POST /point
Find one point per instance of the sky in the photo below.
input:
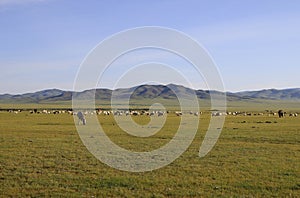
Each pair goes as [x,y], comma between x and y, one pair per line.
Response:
[254,44]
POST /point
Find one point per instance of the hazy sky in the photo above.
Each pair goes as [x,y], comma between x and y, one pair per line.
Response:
[255,44]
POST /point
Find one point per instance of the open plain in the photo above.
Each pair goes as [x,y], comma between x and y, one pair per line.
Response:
[256,155]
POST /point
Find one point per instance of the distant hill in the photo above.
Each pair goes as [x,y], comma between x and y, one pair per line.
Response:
[274,94]
[147,92]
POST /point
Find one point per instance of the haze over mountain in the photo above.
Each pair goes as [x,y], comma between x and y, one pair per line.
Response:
[147,92]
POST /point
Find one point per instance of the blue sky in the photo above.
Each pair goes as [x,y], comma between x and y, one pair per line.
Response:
[255,44]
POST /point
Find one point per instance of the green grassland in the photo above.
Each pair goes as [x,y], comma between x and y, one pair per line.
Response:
[172,104]
[255,156]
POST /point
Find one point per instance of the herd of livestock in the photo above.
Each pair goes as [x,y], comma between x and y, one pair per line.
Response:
[81,114]
[280,113]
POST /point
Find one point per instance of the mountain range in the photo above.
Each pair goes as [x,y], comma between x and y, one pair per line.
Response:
[147,92]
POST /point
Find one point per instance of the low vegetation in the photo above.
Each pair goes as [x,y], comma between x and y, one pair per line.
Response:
[256,156]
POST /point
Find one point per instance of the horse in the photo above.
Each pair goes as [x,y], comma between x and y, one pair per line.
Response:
[81,118]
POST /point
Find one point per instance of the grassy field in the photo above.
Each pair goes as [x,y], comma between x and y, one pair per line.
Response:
[242,105]
[42,155]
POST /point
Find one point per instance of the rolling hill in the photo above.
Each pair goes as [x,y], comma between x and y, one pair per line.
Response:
[147,92]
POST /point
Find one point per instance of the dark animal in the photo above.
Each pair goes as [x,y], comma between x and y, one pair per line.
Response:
[81,118]
[280,113]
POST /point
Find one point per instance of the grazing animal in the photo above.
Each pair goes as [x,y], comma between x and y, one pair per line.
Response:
[135,113]
[117,113]
[160,113]
[81,118]
[178,113]
[280,113]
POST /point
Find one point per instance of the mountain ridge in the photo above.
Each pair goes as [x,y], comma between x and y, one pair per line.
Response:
[146,91]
